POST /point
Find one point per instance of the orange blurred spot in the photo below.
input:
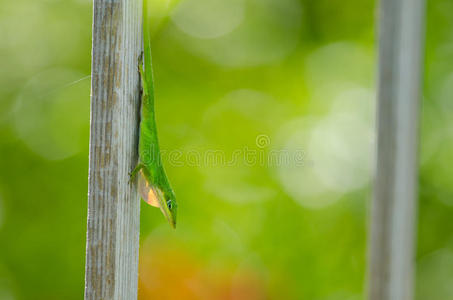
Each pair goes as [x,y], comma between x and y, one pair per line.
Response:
[170,273]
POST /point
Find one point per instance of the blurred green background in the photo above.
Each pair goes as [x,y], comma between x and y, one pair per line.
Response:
[276,78]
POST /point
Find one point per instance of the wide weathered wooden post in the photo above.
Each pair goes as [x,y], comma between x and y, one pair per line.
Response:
[394,206]
[113,205]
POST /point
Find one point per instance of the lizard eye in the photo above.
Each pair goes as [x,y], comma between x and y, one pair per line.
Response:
[169,204]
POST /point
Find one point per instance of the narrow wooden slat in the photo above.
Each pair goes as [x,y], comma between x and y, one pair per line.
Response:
[392,233]
[113,205]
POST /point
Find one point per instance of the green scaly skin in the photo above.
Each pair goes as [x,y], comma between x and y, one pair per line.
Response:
[150,163]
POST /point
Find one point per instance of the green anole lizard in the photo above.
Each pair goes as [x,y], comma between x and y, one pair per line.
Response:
[153,184]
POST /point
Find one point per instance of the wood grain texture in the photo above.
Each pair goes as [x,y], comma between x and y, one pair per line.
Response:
[113,204]
[393,211]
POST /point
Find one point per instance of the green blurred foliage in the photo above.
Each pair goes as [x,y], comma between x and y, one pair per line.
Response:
[299,73]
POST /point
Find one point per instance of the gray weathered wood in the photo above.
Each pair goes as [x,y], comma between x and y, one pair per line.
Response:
[113,205]
[392,233]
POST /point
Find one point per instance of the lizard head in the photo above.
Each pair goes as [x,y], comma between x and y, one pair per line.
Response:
[162,198]
[168,205]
